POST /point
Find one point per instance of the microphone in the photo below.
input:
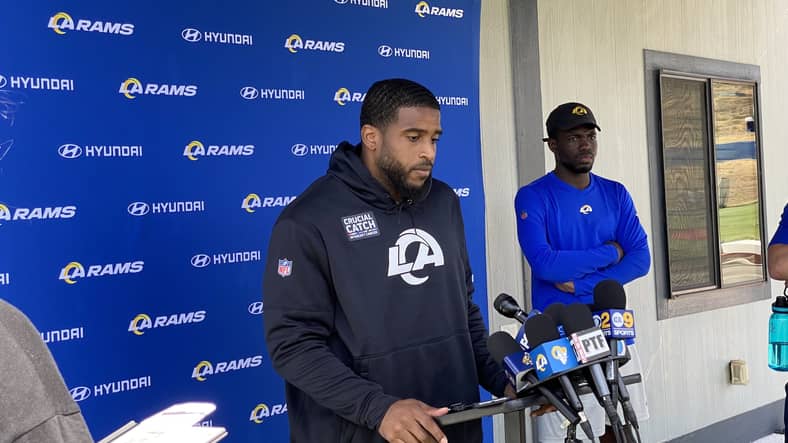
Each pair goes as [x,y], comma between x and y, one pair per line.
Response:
[515,362]
[610,312]
[589,344]
[551,355]
[555,311]
[507,306]
[519,370]
[617,322]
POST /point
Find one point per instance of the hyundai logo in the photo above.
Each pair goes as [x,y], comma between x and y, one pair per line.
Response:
[249,92]
[256,308]
[191,35]
[201,260]
[69,150]
[80,393]
[299,150]
[3,81]
[340,2]
[138,209]
[384,50]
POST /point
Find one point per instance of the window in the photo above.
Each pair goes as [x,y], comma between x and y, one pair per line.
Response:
[709,241]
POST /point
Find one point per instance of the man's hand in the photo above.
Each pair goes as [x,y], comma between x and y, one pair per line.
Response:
[544,409]
[618,248]
[566,287]
[509,392]
[411,421]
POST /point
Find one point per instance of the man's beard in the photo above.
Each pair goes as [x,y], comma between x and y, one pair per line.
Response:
[576,168]
[397,177]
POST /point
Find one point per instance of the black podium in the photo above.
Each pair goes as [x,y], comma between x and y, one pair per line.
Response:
[514,411]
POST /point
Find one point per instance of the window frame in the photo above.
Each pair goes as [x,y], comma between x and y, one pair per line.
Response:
[656,64]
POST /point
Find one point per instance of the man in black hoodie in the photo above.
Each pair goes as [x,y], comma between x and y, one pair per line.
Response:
[368,309]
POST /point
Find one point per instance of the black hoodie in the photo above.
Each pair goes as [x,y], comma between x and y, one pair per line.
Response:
[367,302]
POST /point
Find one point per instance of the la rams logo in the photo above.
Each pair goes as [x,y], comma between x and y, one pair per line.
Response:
[72,271]
[428,252]
[258,413]
[262,411]
[579,110]
[130,86]
[251,202]
[342,96]
[560,353]
[293,42]
[60,21]
[140,322]
[202,369]
[541,363]
[188,151]
[422,9]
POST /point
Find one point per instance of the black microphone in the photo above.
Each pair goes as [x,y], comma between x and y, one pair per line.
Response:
[590,344]
[540,329]
[609,294]
[515,362]
[506,352]
[507,306]
[556,311]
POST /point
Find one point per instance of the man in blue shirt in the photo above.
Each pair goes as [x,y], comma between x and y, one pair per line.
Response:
[778,250]
[577,229]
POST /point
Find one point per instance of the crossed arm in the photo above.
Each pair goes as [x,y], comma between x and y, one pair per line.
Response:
[623,258]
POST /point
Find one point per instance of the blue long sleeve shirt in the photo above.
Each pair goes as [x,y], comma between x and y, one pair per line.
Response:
[563,232]
[781,235]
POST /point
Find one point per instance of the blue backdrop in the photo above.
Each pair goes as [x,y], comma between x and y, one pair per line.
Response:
[146,149]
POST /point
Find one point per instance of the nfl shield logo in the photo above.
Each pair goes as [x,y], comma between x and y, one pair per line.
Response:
[285,267]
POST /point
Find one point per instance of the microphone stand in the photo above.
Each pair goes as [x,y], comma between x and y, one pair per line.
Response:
[571,434]
[630,430]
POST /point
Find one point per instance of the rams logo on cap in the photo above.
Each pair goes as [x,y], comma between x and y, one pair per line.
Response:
[579,110]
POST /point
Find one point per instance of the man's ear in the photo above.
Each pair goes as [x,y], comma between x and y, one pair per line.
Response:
[371,137]
[552,144]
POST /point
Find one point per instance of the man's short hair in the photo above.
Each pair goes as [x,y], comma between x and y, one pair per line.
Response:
[385,97]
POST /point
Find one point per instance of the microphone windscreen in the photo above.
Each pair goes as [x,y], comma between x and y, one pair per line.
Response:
[577,317]
[506,305]
[501,344]
[540,329]
[556,312]
[609,294]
